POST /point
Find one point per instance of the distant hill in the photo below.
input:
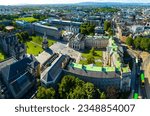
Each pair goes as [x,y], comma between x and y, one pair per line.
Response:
[111,4]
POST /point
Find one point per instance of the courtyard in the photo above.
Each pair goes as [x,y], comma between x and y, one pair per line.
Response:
[92,58]
[35,45]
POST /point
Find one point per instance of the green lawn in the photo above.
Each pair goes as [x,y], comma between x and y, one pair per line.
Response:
[35,45]
[38,40]
[98,56]
[28,19]
[33,48]
[2,55]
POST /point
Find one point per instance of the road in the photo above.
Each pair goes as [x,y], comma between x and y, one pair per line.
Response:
[135,76]
[146,69]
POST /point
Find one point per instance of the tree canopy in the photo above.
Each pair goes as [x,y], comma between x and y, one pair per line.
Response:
[129,41]
[87,29]
[73,88]
[23,36]
[45,93]
[141,43]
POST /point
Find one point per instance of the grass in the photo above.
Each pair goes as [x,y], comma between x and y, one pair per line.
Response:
[35,45]
[38,40]
[2,55]
[33,48]
[28,19]
[98,56]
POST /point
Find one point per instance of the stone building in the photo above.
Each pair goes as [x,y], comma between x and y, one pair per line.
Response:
[11,45]
[77,42]
[53,32]
[19,75]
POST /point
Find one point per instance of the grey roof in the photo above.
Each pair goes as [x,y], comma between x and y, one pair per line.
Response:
[16,69]
[94,74]
[6,62]
[52,72]
[22,83]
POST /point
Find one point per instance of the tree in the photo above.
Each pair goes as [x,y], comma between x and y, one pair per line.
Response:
[44,93]
[90,90]
[73,88]
[110,31]
[112,93]
[87,29]
[92,51]
[107,25]
[18,35]
[102,95]
[77,93]
[137,42]
[67,83]
[144,45]
[129,41]
[90,59]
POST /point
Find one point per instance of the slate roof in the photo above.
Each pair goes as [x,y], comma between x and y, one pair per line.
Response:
[12,71]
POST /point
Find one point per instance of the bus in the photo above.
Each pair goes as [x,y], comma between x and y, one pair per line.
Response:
[142,79]
[135,95]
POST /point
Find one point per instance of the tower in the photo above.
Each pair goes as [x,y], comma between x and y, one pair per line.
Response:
[45,42]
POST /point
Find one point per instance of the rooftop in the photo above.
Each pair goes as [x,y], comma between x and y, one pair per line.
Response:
[98,69]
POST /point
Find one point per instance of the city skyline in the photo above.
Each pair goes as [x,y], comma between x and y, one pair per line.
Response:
[16,2]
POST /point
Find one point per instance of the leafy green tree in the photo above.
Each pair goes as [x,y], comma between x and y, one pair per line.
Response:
[18,35]
[112,93]
[44,93]
[73,88]
[77,93]
[67,83]
[107,25]
[90,90]
[90,59]
[87,29]
[110,31]
[92,51]
[145,44]
[137,42]
[102,95]
[129,41]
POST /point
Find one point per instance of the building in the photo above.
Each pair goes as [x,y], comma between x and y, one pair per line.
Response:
[52,72]
[98,42]
[77,42]
[102,77]
[19,75]
[80,42]
[11,46]
[99,30]
[115,73]
[53,32]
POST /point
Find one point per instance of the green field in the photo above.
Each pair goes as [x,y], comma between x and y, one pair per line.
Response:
[38,40]
[33,48]
[2,55]
[98,56]
[28,19]
[35,45]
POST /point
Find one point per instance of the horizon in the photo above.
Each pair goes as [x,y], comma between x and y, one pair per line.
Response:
[28,2]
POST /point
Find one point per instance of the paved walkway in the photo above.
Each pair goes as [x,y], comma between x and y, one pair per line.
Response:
[36,44]
[58,47]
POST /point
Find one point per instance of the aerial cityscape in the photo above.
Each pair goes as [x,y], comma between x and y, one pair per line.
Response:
[75,49]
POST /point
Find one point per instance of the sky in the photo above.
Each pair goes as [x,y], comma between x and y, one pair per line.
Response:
[16,2]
